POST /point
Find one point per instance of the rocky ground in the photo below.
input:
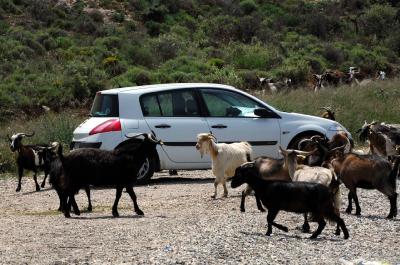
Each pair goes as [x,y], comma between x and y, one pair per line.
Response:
[182,224]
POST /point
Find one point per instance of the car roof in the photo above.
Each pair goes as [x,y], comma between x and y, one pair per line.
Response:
[162,87]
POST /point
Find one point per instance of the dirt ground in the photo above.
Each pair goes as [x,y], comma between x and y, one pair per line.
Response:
[182,225]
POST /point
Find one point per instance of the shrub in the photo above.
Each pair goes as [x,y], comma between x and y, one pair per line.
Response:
[248,6]
[254,57]
[140,55]
[379,20]
[118,17]
[216,62]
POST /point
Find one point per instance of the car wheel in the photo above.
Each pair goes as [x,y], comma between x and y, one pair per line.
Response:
[295,142]
[146,171]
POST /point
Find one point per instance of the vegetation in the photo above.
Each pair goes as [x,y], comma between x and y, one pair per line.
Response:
[58,54]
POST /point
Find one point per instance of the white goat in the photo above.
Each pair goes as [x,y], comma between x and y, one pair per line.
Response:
[321,175]
[225,157]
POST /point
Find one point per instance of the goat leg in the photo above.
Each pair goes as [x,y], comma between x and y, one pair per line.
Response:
[225,189]
[393,206]
[306,225]
[272,213]
[134,199]
[350,205]
[44,180]
[87,189]
[117,197]
[74,205]
[68,204]
[321,226]
[20,173]
[35,179]
[355,197]
[215,190]
[259,205]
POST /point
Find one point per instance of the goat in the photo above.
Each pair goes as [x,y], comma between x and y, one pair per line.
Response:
[56,178]
[299,197]
[328,113]
[367,172]
[225,157]
[117,168]
[379,143]
[268,169]
[29,157]
[321,175]
[324,147]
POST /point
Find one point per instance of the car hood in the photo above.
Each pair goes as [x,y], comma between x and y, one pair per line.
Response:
[290,120]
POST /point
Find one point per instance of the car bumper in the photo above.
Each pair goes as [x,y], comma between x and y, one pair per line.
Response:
[77,145]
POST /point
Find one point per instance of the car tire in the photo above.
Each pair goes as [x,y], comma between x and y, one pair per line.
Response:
[295,142]
[146,171]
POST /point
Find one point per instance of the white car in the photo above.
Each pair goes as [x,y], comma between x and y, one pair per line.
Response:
[176,113]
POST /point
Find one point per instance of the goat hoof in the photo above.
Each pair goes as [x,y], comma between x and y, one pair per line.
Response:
[67,215]
[18,189]
[89,208]
[139,212]
[348,210]
[225,195]
[305,228]
[115,214]
[268,234]
[43,184]
[285,229]
[358,213]
[77,212]
[337,232]
[390,216]
[37,188]
[242,210]
[213,196]
[313,236]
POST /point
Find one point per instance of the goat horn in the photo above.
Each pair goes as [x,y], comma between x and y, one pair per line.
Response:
[283,151]
[303,153]
[337,148]
[303,141]
[212,136]
[326,108]
[28,135]
[315,137]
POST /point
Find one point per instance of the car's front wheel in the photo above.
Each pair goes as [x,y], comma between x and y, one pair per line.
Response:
[146,171]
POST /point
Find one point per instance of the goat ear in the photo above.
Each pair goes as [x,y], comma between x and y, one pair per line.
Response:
[9,138]
[282,151]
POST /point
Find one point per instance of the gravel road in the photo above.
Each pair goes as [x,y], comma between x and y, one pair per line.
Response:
[181,225]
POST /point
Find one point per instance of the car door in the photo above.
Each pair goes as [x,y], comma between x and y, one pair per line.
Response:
[231,119]
[176,119]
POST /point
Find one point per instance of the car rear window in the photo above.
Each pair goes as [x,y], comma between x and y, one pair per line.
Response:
[105,105]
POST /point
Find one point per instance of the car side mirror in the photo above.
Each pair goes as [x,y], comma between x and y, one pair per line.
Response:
[265,113]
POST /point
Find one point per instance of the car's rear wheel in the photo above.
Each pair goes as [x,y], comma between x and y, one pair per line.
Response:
[146,171]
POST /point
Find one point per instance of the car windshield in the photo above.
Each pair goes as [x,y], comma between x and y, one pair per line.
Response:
[105,105]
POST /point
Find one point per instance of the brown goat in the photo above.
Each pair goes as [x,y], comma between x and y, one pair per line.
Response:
[328,113]
[367,172]
[379,143]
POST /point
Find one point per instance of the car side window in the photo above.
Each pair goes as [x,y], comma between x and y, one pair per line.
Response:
[176,103]
[224,103]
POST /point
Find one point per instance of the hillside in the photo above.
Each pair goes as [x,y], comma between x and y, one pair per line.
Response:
[59,53]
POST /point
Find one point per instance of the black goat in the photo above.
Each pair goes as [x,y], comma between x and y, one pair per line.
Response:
[29,157]
[298,197]
[56,175]
[118,168]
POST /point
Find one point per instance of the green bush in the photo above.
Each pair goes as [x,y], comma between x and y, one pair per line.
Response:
[379,20]
[248,6]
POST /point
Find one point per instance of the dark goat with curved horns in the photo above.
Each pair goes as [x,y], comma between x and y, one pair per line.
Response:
[118,168]
[29,157]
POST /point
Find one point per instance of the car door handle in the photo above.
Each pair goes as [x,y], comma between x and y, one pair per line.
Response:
[219,126]
[163,126]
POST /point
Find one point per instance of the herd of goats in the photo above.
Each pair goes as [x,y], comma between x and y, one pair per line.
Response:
[329,78]
[306,180]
